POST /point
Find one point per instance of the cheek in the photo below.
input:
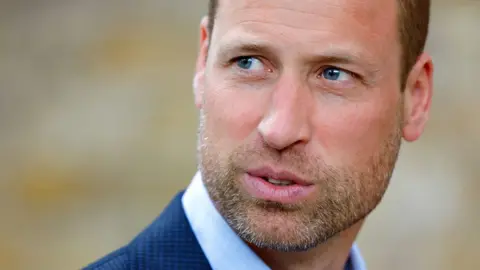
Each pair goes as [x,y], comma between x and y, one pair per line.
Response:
[232,115]
[355,132]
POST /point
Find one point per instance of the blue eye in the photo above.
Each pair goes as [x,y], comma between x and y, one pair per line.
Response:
[249,63]
[334,74]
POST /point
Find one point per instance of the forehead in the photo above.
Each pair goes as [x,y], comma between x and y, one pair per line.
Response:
[303,23]
[366,12]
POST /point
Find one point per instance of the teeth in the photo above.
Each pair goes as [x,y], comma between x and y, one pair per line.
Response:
[279,182]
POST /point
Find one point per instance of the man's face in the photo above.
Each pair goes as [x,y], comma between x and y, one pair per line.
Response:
[306,92]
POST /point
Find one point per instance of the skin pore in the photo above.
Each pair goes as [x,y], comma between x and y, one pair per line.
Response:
[312,87]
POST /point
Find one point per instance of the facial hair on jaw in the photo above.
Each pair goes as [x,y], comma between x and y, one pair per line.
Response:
[347,195]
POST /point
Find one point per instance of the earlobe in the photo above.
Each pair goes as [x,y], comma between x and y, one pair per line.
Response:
[198,89]
[417,98]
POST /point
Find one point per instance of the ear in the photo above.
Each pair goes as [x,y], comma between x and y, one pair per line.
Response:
[418,98]
[199,78]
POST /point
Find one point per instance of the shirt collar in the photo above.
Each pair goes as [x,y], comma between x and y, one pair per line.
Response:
[356,260]
[221,245]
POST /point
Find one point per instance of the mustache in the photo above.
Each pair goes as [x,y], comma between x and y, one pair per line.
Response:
[268,154]
[291,159]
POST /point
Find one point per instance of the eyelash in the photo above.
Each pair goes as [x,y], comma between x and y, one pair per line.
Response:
[234,60]
[319,72]
[351,73]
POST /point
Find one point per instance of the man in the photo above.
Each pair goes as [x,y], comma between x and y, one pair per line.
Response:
[303,106]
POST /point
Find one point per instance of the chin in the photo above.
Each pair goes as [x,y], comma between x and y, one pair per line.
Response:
[275,229]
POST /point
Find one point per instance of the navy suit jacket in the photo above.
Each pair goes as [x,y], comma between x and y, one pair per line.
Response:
[168,243]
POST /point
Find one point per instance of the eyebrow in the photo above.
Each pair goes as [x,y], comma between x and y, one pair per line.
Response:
[234,47]
[346,57]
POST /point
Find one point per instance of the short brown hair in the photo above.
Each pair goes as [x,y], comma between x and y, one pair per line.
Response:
[413,21]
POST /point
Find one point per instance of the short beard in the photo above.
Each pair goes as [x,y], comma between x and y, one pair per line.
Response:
[346,196]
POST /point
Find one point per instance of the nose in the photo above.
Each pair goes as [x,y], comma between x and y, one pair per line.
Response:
[287,119]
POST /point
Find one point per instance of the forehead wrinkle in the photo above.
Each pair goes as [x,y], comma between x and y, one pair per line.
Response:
[307,22]
[279,4]
[361,11]
[314,22]
[319,45]
[282,23]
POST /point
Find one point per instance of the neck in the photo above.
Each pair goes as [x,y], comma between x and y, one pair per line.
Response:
[330,255]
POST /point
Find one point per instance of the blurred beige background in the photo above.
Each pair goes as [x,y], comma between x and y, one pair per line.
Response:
[97,132]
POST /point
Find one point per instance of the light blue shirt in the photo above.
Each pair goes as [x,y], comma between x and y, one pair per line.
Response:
[223,248]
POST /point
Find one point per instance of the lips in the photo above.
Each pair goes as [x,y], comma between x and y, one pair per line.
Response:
[276,185]
[278,177]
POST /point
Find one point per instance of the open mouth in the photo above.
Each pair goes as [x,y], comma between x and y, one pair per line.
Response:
[269,185]
[277,182]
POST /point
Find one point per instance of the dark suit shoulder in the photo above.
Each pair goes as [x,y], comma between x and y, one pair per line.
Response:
[118,260]
[167,243]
